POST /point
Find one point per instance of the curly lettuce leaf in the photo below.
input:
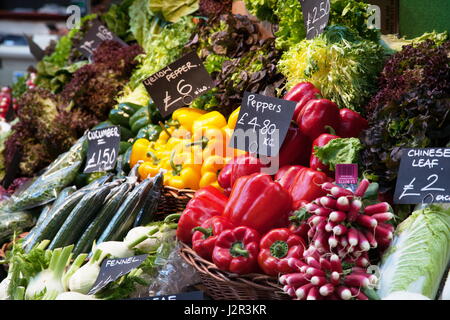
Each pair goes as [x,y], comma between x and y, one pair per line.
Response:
[339,151]
[173,11]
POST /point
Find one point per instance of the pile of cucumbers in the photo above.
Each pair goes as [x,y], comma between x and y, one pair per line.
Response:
[104,210]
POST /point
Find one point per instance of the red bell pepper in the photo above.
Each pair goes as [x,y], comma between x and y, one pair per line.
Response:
[351,124]
[241,166]
[306,186]
[204,237]
[258,202]
[286,175]
[224,178]
[207,202]
[317,116]
[276,247]
[236,250]
[302,93]
[314,162]
[296,148]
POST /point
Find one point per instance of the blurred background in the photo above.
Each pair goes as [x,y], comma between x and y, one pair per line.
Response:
[45,21]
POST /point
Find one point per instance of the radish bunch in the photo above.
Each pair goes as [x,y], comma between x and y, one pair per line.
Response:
[340,224]
[326,277]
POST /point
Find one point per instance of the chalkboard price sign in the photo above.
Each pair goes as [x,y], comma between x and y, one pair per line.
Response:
[178,84]
[316,14]
[424,176]
[95,36]
[103,149]
[113,269]
[262,124]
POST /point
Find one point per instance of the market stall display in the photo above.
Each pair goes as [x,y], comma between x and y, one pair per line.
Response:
[181,197]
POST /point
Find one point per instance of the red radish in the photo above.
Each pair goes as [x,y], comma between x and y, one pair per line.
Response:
[329,226]
[337,216]
[313,294]
[377,208]
[326,289]
[326,186]
[387,226]
[328,202]
[324,212]
[335,263]
[332,241]
[363,242]
[384,242]
[358,294]
[343,204]
[340,192]
[303,290]
[335,278]
[313,262]
[295,279]
[311,207]
[318,281]
[366,221]
[311,233]
[356,280]
[315,220]
[343,240]
[344,293]
[356,204]
[325,264]
[370,236]
[289,290]
[315,272]
[352,215]
[362,261]
[359,270]
[340,229]
[295,263]
[362,188]
[382,232]
[383,217]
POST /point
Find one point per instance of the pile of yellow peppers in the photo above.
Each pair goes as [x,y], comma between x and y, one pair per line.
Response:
[192,153]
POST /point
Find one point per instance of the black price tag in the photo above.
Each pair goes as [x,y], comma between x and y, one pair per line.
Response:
[178,84]
[262,124]
[316,14]
[193,295]
[113,269]
[95,36]
[103,149]
[424,176]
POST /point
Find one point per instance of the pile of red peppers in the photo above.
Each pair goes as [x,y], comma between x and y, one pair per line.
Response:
[250,226]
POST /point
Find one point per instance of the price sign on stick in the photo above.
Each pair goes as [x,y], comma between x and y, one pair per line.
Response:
[424,176]
[95,36]
[113,269]
[178,84]
[103,149]
[262,124]
[316,14]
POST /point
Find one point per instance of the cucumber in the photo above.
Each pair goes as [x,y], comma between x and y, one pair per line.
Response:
[133,106]
[80,217]
[95,228]
[139,114]
[139,124]
[58,214]
[150,205]
[11,222]
[55,218]
[102,125]
[126,160]
[120,221]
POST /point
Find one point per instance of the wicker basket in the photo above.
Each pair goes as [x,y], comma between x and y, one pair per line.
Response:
[221,285]
[174,200]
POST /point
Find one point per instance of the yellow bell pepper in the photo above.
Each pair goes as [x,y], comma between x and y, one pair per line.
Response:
[187,178]
[147,169]
[232,119]
[187,160]
[213,164]
[210,119]
[207,179]
[187,116]
[139,151]
[216,185]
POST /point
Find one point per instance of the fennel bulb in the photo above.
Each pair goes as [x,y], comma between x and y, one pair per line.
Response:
[47,284]
[150,244]
[83,279]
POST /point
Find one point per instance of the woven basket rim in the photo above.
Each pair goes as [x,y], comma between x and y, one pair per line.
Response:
[256,280]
